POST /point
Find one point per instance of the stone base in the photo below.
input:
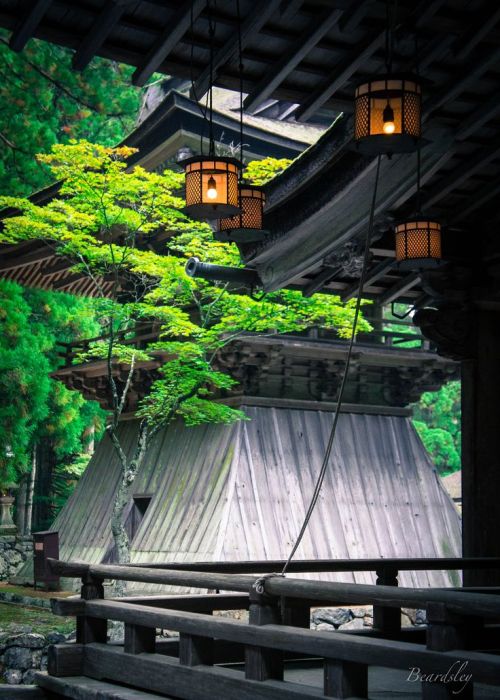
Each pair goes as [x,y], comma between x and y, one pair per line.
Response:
[6,530]
[13,553]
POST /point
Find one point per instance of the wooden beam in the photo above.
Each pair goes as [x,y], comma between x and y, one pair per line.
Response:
[251,25]
[484,24]
[109,15]
[28,25]
[476,201]
[188,11]
[321,279]
[338,77]
[68,281]
[274,76]
[462,172]
[341,74]
[461,80]
[372,276]
[57,268]
[480,116]
[399,289]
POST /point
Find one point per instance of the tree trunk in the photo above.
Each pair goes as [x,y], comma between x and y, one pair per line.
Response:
[21,506]
[28,523]
[129,472]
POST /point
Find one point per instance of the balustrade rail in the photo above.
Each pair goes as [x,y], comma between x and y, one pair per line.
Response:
[217,656]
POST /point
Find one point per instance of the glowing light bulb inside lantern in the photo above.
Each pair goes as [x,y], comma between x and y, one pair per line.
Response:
[211,188]
[388,119]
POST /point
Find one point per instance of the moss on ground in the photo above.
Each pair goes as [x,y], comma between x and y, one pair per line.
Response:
[15,619]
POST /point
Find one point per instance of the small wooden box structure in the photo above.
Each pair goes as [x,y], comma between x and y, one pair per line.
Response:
[45,546]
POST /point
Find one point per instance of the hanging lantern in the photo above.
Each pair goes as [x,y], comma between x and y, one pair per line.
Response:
[387,115]
[246,226]
[211,187]
[418,244]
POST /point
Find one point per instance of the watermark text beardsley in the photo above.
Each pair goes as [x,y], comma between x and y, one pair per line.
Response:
[457,674]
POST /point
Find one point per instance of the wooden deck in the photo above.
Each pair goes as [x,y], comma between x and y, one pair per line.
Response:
[275,656]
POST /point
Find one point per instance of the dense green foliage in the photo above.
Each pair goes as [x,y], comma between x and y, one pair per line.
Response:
[258,172]
[437,418]
[37,407]
[43,102]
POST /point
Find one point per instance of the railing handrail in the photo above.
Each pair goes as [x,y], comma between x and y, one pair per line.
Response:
[293,639]
[331,565]
[462,603]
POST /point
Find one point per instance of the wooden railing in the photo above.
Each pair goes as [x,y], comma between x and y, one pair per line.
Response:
[197,664]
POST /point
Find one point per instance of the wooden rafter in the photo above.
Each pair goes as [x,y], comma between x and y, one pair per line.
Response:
[60,265]
[476,201]
[462,80]
[188,11]
[338,77]
[107,18]
[290,60]
[25,30]
[251,25]
[478,117]
[399,288]
[483,26]
[462,172]
[319,281]
[381,269]
[341,74]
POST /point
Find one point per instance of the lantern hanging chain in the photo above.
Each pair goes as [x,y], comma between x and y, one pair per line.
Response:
[203,112]
[390,24]
[419,159]
[240,69]
[211,29]
[333,431]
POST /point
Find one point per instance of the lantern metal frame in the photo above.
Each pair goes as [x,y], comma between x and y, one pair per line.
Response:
[246,226]
[418,244]
[198,171]
[404,95]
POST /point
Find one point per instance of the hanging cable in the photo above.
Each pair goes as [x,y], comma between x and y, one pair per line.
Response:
[211,29]
[203,112]
[240,69]
[326,458]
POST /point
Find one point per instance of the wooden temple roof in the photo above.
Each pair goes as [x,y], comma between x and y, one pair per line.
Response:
[311,53]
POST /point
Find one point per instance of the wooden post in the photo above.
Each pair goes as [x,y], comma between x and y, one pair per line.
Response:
[90,629]
[262,664]
[345,679]
[481,446]
[444,633]
[297,614]
[139,639]
[387,620]
[195,650]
